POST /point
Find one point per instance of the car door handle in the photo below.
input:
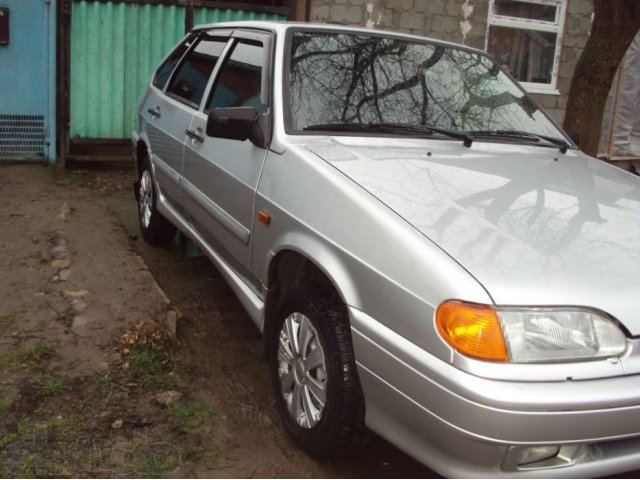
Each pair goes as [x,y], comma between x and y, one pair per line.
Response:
[153,113]
[195,136]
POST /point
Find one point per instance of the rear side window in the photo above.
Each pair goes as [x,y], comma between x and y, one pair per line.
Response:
[239,83]
[164,71]
[190,80]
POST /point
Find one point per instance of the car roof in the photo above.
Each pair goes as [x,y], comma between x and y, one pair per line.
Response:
[282,26]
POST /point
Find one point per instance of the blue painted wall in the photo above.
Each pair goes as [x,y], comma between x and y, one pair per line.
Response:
[27,65]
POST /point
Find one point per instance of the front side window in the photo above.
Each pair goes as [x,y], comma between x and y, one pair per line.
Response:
[524,36]
[190,80]
[164,71]
[337,80]
[239,83]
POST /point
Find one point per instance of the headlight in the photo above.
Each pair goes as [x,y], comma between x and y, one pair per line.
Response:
[528,335]
[545,335]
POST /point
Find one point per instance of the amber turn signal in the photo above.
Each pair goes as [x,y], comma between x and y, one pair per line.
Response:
[473,330]
[263,217]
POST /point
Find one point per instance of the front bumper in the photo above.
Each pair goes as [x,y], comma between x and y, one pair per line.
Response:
[466,426]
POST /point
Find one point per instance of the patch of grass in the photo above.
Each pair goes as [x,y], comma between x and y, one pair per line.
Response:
[51,386]
[26,330]
[155,369]
[29,467]
[155,466]
[66,429]
[3,405]
[144,360]
[93,457]
[82,405]
[35,353]
[27,356]
[43,259]
[8,362]
[8,438]
[145,363]
[79,179]
[102,384]
[38,466]
[189,452]
[7,318]
[153,460]
[57,469]
[48,446]
[177,374]
[22,432]
[191,414]
[4,471]
[211,458]
[42,410]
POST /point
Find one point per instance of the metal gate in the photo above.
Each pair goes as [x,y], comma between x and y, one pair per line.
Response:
[115,47]
[27,80]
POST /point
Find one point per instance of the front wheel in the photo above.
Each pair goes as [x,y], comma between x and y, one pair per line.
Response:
[314,374]
[156,229]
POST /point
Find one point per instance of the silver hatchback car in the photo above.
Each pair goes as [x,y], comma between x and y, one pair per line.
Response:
[427,254]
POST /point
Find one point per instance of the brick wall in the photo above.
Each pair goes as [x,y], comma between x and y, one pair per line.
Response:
[434,18]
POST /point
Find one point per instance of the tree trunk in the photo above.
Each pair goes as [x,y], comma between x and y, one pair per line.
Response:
[615,24]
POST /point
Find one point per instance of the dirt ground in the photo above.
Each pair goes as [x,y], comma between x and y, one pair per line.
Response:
[93,383]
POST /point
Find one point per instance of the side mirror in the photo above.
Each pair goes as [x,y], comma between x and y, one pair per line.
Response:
[238,123]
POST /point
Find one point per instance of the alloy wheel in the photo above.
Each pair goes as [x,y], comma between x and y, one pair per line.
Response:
[302,370]
[145,201]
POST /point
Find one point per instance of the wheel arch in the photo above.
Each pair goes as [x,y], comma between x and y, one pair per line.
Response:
[141,151]
[292,263]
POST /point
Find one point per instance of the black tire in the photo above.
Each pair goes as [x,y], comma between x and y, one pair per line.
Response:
[157,230]
[341,431]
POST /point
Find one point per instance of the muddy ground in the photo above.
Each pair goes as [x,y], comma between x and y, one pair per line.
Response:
[92,382]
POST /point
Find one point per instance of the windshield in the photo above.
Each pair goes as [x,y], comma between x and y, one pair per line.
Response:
[356,79]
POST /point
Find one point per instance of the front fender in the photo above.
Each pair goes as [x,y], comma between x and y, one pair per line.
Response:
[323,255]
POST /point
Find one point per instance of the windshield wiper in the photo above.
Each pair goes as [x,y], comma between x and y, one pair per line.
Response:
[558,142]
[394,127]
[457,134]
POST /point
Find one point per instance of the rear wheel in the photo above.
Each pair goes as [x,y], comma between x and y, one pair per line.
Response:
[156,229]
[314,374]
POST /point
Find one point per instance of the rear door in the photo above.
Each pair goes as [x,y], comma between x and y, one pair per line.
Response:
[169,111]
[221,175]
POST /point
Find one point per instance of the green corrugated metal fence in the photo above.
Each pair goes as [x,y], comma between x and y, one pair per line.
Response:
[115,48]
[215,15]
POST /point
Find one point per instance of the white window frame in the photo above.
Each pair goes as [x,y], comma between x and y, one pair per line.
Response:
[556,26]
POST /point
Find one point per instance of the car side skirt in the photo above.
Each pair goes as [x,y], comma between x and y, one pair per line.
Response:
[252,303]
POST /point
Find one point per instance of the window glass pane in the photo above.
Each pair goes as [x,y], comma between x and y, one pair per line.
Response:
[191,78]
[164,71]
[520,9]
[528,54]
[356,79]
[239,83]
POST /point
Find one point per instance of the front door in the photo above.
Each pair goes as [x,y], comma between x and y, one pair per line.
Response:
[221,175]
[27,88]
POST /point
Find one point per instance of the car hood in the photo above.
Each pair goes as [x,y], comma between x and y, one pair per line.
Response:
[533,226]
